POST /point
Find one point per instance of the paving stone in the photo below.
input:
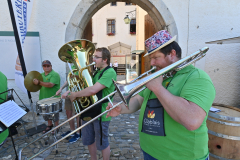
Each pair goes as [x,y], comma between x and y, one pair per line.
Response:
[113,145]
[71,157]
[124,151]
[136,147]
[123,140]
[38,159]
[137,155]
[7,157]
[62,149]
[112,139]
[36,150]
[74,152]
[67,152]
[51,156]
[123,145]
[60,158]
[116,154]
[74,145]
[128,156]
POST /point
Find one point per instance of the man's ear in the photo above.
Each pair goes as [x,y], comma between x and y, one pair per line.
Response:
[105,60]
[173,54]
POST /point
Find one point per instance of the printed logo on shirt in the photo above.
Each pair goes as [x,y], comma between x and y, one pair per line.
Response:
[169,85]
[151,122]
[151,114]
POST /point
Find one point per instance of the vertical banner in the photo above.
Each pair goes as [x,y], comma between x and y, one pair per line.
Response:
[20,11]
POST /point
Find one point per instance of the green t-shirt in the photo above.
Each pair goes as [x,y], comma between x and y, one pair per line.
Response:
[106,80]
[52,77]
[179,143]
[3,87]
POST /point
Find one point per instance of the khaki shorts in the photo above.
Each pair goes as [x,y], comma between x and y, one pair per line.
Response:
[69,105]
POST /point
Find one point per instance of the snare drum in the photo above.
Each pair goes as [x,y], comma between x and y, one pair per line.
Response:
[49,106]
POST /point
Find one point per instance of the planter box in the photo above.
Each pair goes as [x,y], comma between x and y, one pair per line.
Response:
[110,34]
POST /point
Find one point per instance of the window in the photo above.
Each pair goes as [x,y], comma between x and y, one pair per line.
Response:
[113,4]
[133,26]
[128,4]
[111,27]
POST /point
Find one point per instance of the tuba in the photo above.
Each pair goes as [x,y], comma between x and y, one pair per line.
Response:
[79,53]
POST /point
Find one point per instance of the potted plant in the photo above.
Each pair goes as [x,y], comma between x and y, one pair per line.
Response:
[110,34]
[132,32]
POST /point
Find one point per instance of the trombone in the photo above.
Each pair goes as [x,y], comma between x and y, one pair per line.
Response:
[126,91]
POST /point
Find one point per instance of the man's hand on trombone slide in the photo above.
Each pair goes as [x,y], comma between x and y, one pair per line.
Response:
[115,112]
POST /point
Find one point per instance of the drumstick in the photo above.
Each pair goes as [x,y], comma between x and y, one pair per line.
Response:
[56,95]
[50,97]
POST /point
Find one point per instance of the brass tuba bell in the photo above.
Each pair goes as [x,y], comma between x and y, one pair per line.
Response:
[79,53]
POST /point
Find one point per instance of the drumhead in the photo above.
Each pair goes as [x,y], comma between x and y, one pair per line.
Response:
[49,101]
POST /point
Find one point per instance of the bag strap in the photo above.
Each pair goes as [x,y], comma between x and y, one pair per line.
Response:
[101,73]
[100,121]
[100,77]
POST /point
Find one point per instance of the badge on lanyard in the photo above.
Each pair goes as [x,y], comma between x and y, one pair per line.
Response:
[153,119]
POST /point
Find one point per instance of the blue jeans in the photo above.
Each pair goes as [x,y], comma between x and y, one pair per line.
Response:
[148,157]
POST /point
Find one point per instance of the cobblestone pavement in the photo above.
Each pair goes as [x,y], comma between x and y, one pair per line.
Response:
[123,138]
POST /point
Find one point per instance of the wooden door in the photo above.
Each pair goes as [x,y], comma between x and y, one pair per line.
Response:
[150,29]
[87,33]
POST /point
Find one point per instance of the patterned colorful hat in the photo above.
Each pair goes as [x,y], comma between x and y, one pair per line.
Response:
[158,40]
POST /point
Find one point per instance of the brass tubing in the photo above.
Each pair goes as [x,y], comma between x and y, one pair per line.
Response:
[66,122]
[77,129]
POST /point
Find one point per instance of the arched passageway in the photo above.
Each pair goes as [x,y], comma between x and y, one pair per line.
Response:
[84,11]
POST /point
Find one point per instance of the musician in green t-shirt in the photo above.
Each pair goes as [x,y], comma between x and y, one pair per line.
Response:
[97,131]
[173,111]
[50,85]
[3,97]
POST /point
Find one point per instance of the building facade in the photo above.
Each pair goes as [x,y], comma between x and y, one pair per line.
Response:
[109,29]
[194,23]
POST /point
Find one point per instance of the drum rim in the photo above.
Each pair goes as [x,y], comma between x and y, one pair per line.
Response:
[55,112]
[45,105]
[60,100]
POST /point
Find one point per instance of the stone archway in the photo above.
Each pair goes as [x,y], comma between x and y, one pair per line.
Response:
[86,9]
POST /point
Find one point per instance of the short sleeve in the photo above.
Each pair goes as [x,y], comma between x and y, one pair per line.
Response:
[199,91]
[141,93]
[55,78]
